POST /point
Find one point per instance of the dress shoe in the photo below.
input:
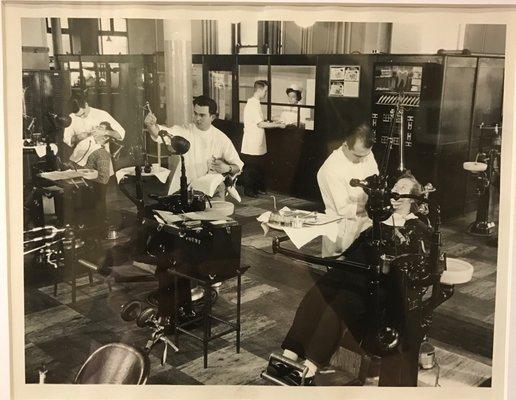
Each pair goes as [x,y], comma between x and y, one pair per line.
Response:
[294,378]
[287,374]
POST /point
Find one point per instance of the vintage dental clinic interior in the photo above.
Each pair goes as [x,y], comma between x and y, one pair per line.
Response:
[260,203]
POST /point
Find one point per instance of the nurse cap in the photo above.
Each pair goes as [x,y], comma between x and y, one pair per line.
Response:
[294,87]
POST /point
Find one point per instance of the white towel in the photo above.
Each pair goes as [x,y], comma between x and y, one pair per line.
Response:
[207,184]
[82,151]
[41,150]
[301,236]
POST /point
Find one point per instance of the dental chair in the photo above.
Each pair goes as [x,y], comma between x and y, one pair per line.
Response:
[115,363]
[391,345]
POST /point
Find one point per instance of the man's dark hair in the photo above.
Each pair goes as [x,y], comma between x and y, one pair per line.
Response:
[205,101]
[361,132]
[77,101]
[260,84]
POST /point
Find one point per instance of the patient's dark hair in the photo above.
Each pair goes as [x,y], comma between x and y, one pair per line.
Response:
[205,101]
[362,132]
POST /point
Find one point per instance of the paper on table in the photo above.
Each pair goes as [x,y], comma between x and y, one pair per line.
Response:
[323,219]
[207,183]
[60,175]
[206,216]
[264,217]
[301,236]
[159,172]
[169,217]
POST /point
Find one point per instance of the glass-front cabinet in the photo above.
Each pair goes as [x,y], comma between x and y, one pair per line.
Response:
[229,80]
[220,90]
[293,95]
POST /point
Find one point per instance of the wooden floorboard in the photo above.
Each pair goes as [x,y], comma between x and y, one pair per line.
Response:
[61,335]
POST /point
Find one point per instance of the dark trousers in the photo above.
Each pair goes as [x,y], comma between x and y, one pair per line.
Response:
[325,313]
[253,175]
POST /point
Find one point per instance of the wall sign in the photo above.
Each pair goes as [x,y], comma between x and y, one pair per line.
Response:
[344,81]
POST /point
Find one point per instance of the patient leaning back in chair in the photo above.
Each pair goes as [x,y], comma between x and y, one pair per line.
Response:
[336,304]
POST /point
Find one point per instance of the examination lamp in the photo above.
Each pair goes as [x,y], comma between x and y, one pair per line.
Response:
[61,121]
[178,144]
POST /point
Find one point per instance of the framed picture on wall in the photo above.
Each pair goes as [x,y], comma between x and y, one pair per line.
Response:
[344,81]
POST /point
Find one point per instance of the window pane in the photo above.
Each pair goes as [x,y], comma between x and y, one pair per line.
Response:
[102,73]
[197,88]
[75,79]
[50,44]
[105,24]
[114,45]
[90,75]
[66,44]
[289,116]
[120,24]
[115,75]
[248,74]
[220,91]
[301,78]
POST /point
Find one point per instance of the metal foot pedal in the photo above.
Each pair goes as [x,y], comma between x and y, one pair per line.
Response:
[281,371]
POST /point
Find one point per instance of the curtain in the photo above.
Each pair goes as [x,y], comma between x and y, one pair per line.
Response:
[329,38]
[209,34]
[307,40]
[270,35]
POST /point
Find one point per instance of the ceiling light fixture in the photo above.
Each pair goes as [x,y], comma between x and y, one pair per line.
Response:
[305,23]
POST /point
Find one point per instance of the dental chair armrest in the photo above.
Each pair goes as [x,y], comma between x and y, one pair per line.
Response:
[327,262]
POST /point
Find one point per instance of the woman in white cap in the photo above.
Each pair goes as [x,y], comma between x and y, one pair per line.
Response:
[289,113]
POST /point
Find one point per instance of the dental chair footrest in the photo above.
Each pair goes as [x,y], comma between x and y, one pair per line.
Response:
[285,372]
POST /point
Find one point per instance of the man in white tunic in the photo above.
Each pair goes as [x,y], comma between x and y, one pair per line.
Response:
[353,160]
[210,149]
[254,145]
[88,122]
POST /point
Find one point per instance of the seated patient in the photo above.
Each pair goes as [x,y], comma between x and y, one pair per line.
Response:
[90,205]
[328,310]
[91,155]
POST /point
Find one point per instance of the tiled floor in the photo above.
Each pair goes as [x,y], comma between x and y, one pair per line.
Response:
[61,335]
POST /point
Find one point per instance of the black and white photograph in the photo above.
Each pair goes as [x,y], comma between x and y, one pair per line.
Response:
[259,202]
